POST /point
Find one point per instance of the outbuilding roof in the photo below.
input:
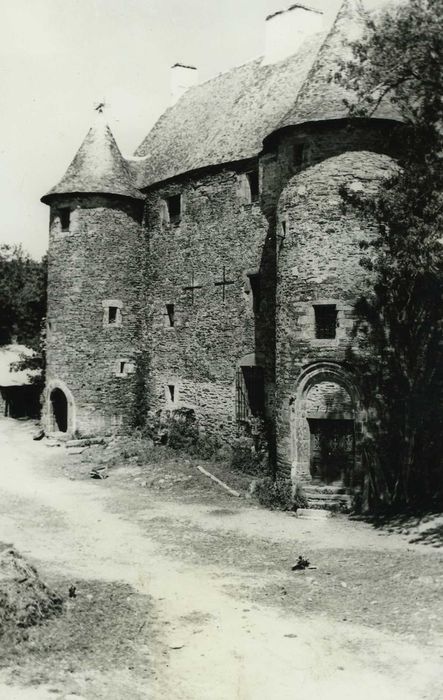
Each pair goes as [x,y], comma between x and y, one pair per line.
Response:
[98,168]
[227,118]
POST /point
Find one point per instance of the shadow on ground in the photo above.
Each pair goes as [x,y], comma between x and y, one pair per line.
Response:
[424,528]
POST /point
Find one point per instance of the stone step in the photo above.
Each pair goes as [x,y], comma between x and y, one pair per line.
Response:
[333,490]
[329,497]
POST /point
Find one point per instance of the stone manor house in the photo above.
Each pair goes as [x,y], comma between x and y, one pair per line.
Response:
[218,268]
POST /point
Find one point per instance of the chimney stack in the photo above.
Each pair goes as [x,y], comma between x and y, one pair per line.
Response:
[182,78]
[287,29]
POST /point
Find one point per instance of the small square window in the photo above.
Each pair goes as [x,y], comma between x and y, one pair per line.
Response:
[112,313]
[298,155]
[123,368]
[174,208]
[254,185]
[325,321]
[65,218]
[170,311]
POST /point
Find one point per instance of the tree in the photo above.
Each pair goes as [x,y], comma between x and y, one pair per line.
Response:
[22,297]
[401,58]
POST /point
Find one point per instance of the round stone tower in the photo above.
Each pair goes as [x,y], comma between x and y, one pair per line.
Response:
[94,290]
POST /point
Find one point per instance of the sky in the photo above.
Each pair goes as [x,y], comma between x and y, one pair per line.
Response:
[59,58]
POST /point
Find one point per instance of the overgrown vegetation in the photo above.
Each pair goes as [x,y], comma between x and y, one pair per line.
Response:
[275,494]
[22,297]
[401,58]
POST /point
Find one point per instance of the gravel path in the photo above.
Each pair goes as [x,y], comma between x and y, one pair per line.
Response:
[209,573]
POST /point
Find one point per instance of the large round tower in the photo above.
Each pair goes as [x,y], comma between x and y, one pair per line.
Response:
[94,289]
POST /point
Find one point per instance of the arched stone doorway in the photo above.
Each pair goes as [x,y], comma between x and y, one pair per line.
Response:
[59,406]
[60,409]
[326,423]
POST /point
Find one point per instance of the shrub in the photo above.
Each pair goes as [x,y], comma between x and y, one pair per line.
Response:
[275,494]
[182,430]
[246,458]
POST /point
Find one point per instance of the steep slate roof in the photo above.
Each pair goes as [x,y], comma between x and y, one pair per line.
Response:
[98,168]
[227,118]
[320,98]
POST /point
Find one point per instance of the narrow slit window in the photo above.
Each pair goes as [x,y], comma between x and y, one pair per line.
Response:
[255,282]
[122,367]
[171,392]
[254,185]
[65,218]
[170,310]
[325,321]
[298,155]
[174,208]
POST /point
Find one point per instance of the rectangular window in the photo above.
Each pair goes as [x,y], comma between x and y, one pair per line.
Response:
[254,185]
[171,314]
[65,218]
[298,154]
[112,315]
[325,321]
[174,208]
[171,392]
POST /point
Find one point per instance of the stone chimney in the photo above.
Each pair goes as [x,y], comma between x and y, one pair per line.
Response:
[182,78]
[287,29]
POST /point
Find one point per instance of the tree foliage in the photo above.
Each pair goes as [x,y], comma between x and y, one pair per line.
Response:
[22,297]
[401,58]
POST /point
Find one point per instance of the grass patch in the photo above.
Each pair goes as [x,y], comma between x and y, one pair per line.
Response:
[106,627]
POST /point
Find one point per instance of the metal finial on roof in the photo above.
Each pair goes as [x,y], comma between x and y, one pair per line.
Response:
[100,107]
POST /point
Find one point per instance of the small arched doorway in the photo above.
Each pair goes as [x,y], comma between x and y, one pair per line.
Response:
[59,407]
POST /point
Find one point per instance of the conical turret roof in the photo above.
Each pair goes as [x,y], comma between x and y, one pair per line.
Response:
[98,168]
[321,97]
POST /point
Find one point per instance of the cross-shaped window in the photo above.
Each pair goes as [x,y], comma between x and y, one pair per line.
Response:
[224,283]
[192,287]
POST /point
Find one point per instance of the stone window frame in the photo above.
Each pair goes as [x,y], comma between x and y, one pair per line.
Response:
[124,367]
[342,323]
[172,403]
[115,303]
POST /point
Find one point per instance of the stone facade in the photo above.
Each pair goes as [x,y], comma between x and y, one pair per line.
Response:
[219,271]
[93,263]
[202,266]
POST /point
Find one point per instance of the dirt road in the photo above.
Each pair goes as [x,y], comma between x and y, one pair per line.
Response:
[220,637]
